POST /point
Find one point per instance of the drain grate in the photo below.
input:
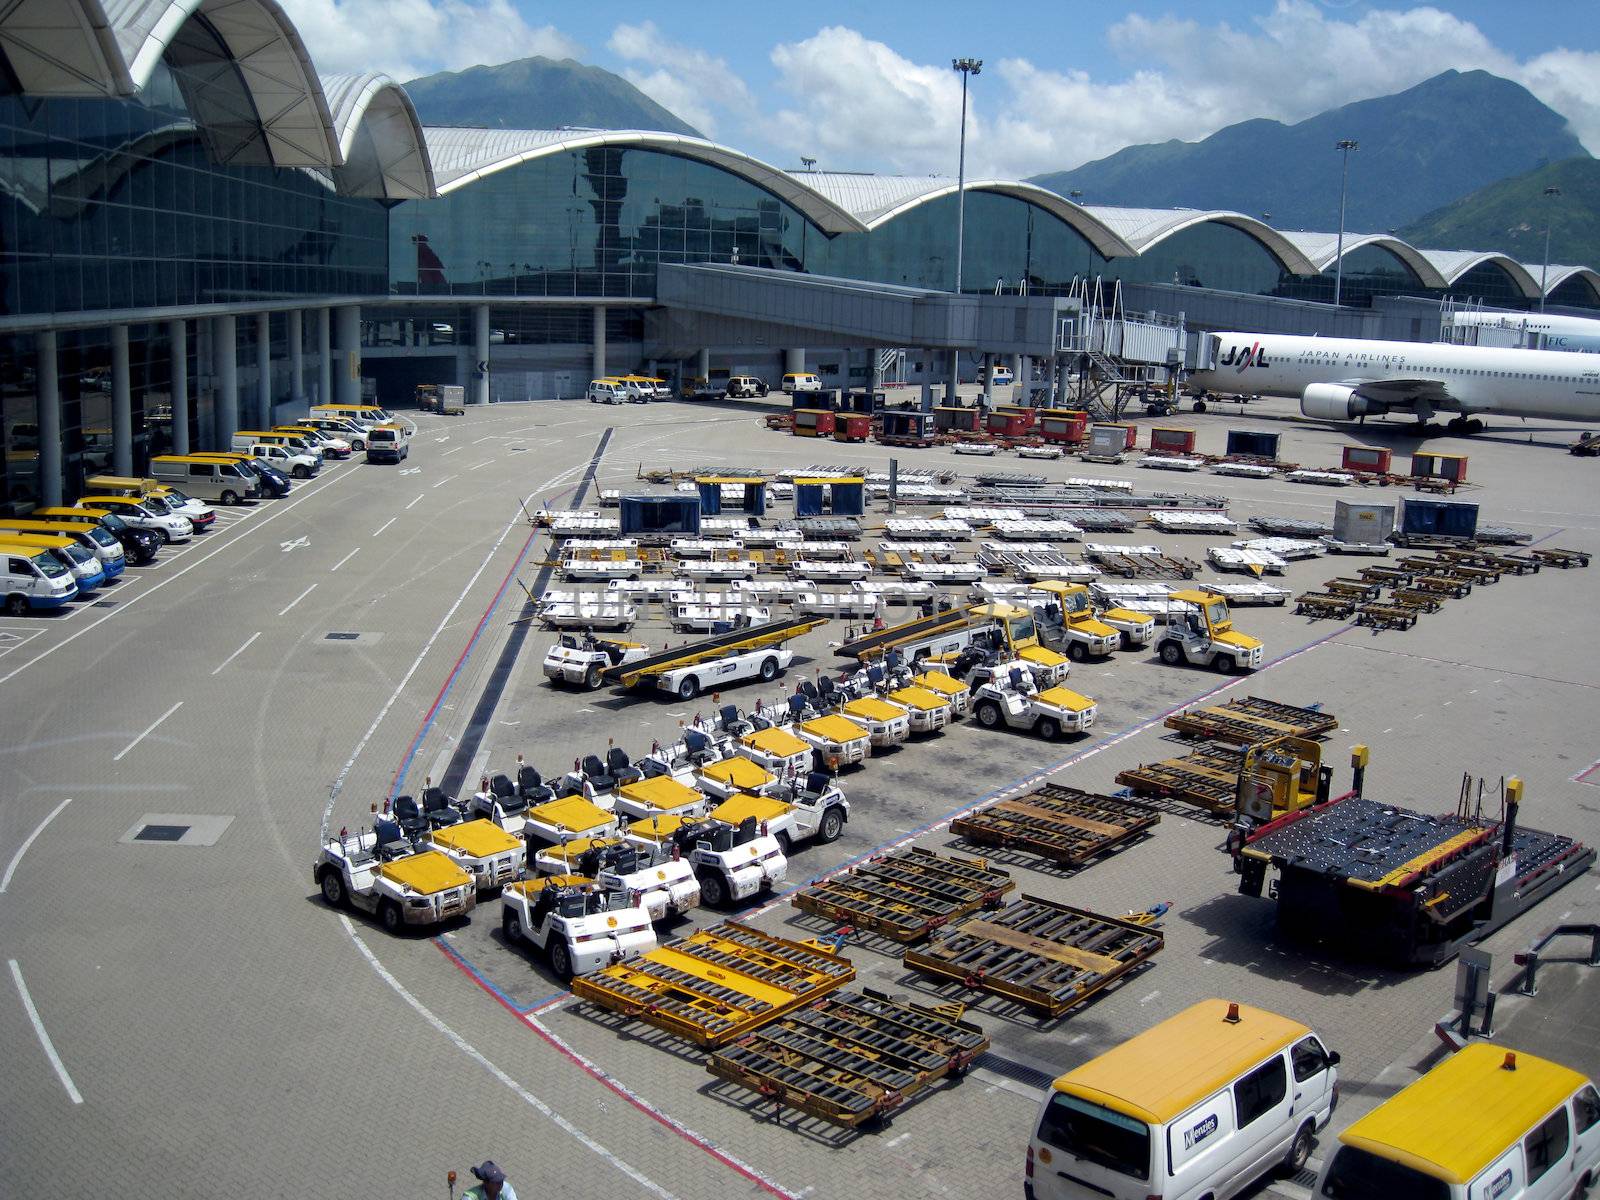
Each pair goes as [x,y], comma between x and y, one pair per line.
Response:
[103,604]
[341,637]
[161,833]
[1012,1069]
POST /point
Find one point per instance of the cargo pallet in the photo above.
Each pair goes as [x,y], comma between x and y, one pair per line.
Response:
[1355,589]
[1556,557]
[1386,616]
[851,1059]
[907,895]
[1047,956]
[1396,576]
[1061,824]
[1325,604]
[1252,719]
[1208,779]
[717,984]
[1442,585]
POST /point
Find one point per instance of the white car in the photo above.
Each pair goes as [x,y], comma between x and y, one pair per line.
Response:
[607,391]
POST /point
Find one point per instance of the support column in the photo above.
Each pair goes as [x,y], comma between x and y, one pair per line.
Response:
[178,344]
[121,404]
[875,371]
[480,366]
[702,365]
[599,365]
[1022,373]
[224,342]
[324,359]
[264,370]
[347,338]
[952,380]
[794,361]
[294,334]
[49,419]
[927,381]
[988,383]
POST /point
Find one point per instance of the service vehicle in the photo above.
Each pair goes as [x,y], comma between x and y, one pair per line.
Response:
[736,774]
[659,796]
[607,391]
[1067,621]
[205,477]
[378,871]
[1199,631]
[743,387]
[272,482]
[505,802]
[732,862]
[364,414]
[1000,376]
[387,443]
[639,389]
[666,888]
[777,750]
[567,819]
[663,389]
[581,659]
[743,652]
[269,437]
[285,459]
[838,741]
[577,927]
[814,809]
[143,513]
[1007,629]
[181,504]
[1011,698]
[1486,1122]
[481,848]
[353,431]
[886,724]
[801,381]
[927,710]
[86,570]
[446,399]
[948,688]
[33,578]
[1199,1106]
[331,445]
[680,760]
[95,539]
[139,545]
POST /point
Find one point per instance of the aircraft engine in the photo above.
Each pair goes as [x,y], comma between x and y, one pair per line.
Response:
[1335,402]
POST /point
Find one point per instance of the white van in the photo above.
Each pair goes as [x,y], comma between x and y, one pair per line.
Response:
[207,479]
[285,458]
[607,391]
[351,430]
[1485,1124]
[1201,1105]
[801,381]
[33,578]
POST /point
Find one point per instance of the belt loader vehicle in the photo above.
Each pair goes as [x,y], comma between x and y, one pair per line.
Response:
[378,872]
[667,887]
[1006,628]
[1012,699]
[482,849]
[748,652]
[1199,631]
[814,809]
[578,928]
[732,862]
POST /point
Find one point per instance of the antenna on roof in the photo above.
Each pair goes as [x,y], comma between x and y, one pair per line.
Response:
[807,163]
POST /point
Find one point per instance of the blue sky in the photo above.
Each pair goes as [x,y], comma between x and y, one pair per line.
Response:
[868,86]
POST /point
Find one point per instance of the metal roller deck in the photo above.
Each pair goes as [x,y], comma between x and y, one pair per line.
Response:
[907,895]
[1252,719]
[1047,956]
[717,984]
[1061,824]
[1208,778]
[850,1059]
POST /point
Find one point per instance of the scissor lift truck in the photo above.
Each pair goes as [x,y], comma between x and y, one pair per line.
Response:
[886,724]
[665,888]
[777,750]
[577,927]
[377,872]
[815,811]
[927,711]
[1016,704]
[750,652]
[581,660]
[733,776]
[481,848]
[837,740]
[949,688]
[1200,632]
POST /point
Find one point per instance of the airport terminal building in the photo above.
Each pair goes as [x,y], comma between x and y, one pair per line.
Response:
[200,233]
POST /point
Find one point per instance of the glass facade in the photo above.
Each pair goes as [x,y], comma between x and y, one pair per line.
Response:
[1368,272]
[1207,255]
[1490,284]
[1576,292]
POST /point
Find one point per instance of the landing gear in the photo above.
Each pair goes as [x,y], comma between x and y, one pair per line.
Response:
[1465,425]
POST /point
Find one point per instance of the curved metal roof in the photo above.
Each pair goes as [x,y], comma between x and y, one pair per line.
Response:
[1453,264]
[1323,248]
[1143,228]
[463,155]
[1557,275]
[391,161]
[877,199]
[62,48]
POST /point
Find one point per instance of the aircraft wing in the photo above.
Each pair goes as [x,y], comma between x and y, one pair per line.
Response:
[1403,393]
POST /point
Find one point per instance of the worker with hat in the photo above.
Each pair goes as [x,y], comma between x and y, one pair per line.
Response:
[491,1184]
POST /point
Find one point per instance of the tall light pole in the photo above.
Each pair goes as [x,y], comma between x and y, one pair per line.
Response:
[1544,274]
[1344,145]
[967,66]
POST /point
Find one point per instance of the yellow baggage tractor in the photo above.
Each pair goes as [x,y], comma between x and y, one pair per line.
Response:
[734,775]
[887,724]
[481,848]
[839,740]
[776,750]
[952,689]
[929,712]
[660,795]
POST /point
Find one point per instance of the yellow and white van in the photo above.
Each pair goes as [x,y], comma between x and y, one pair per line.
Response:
[1203,1104]
[33,578]
[1488,1123]
[207,478]
[801,381]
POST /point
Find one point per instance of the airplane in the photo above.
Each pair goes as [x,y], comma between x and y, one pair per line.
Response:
[1531,331]
[1346,379]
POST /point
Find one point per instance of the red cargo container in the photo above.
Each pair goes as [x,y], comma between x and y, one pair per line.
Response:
[1172,441]
[1371,459]
[813,422]
[1452,467]
[851,427]
[1029,415]
[1064,426]
[1009,424]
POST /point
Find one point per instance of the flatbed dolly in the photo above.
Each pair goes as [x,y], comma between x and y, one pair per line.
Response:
[1356,589]
[1394,576]
[907,895]
[717,984]
[1252,719]
[1411,598]
[1442,585]
[1061,824]
[1554,556]
[850,1059]
[1320,605]
[1386,616]
[1048,956]
[1208,778]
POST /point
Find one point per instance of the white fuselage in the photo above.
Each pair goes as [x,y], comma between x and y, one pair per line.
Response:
[1546,384]
[1531,331]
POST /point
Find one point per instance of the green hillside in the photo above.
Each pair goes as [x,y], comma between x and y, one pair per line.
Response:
[539,93]
[1510,215]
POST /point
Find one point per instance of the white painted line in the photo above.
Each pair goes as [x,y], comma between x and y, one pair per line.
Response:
[443,481]
[452,450]
[44,1038]
[472,1052]
[415,502]
[148,731]
[344,560]
[384,526]
[282,611]
[236,653]
[488,462]
[1448,703]
[11,868]
[896,1140]
[1150,997]
[488,437]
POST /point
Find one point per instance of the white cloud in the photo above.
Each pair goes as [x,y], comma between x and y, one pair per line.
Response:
[408,38]
[701,88]
[855,103]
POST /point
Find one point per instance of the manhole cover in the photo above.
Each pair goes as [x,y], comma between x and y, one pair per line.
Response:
[161,833]
[341,637]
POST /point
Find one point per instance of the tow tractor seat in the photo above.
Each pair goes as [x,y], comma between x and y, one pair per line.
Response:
[595,772]
[531,787]
[409,818]
[438,808]
[620,767]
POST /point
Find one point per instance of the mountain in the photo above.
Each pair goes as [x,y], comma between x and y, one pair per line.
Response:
[539,93]
[1510,215]
[1420,149]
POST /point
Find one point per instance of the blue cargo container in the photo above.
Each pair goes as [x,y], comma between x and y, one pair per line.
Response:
[678,516]
[1250,444]
[1423,521]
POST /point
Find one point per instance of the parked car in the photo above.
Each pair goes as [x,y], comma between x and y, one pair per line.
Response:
[744,386]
